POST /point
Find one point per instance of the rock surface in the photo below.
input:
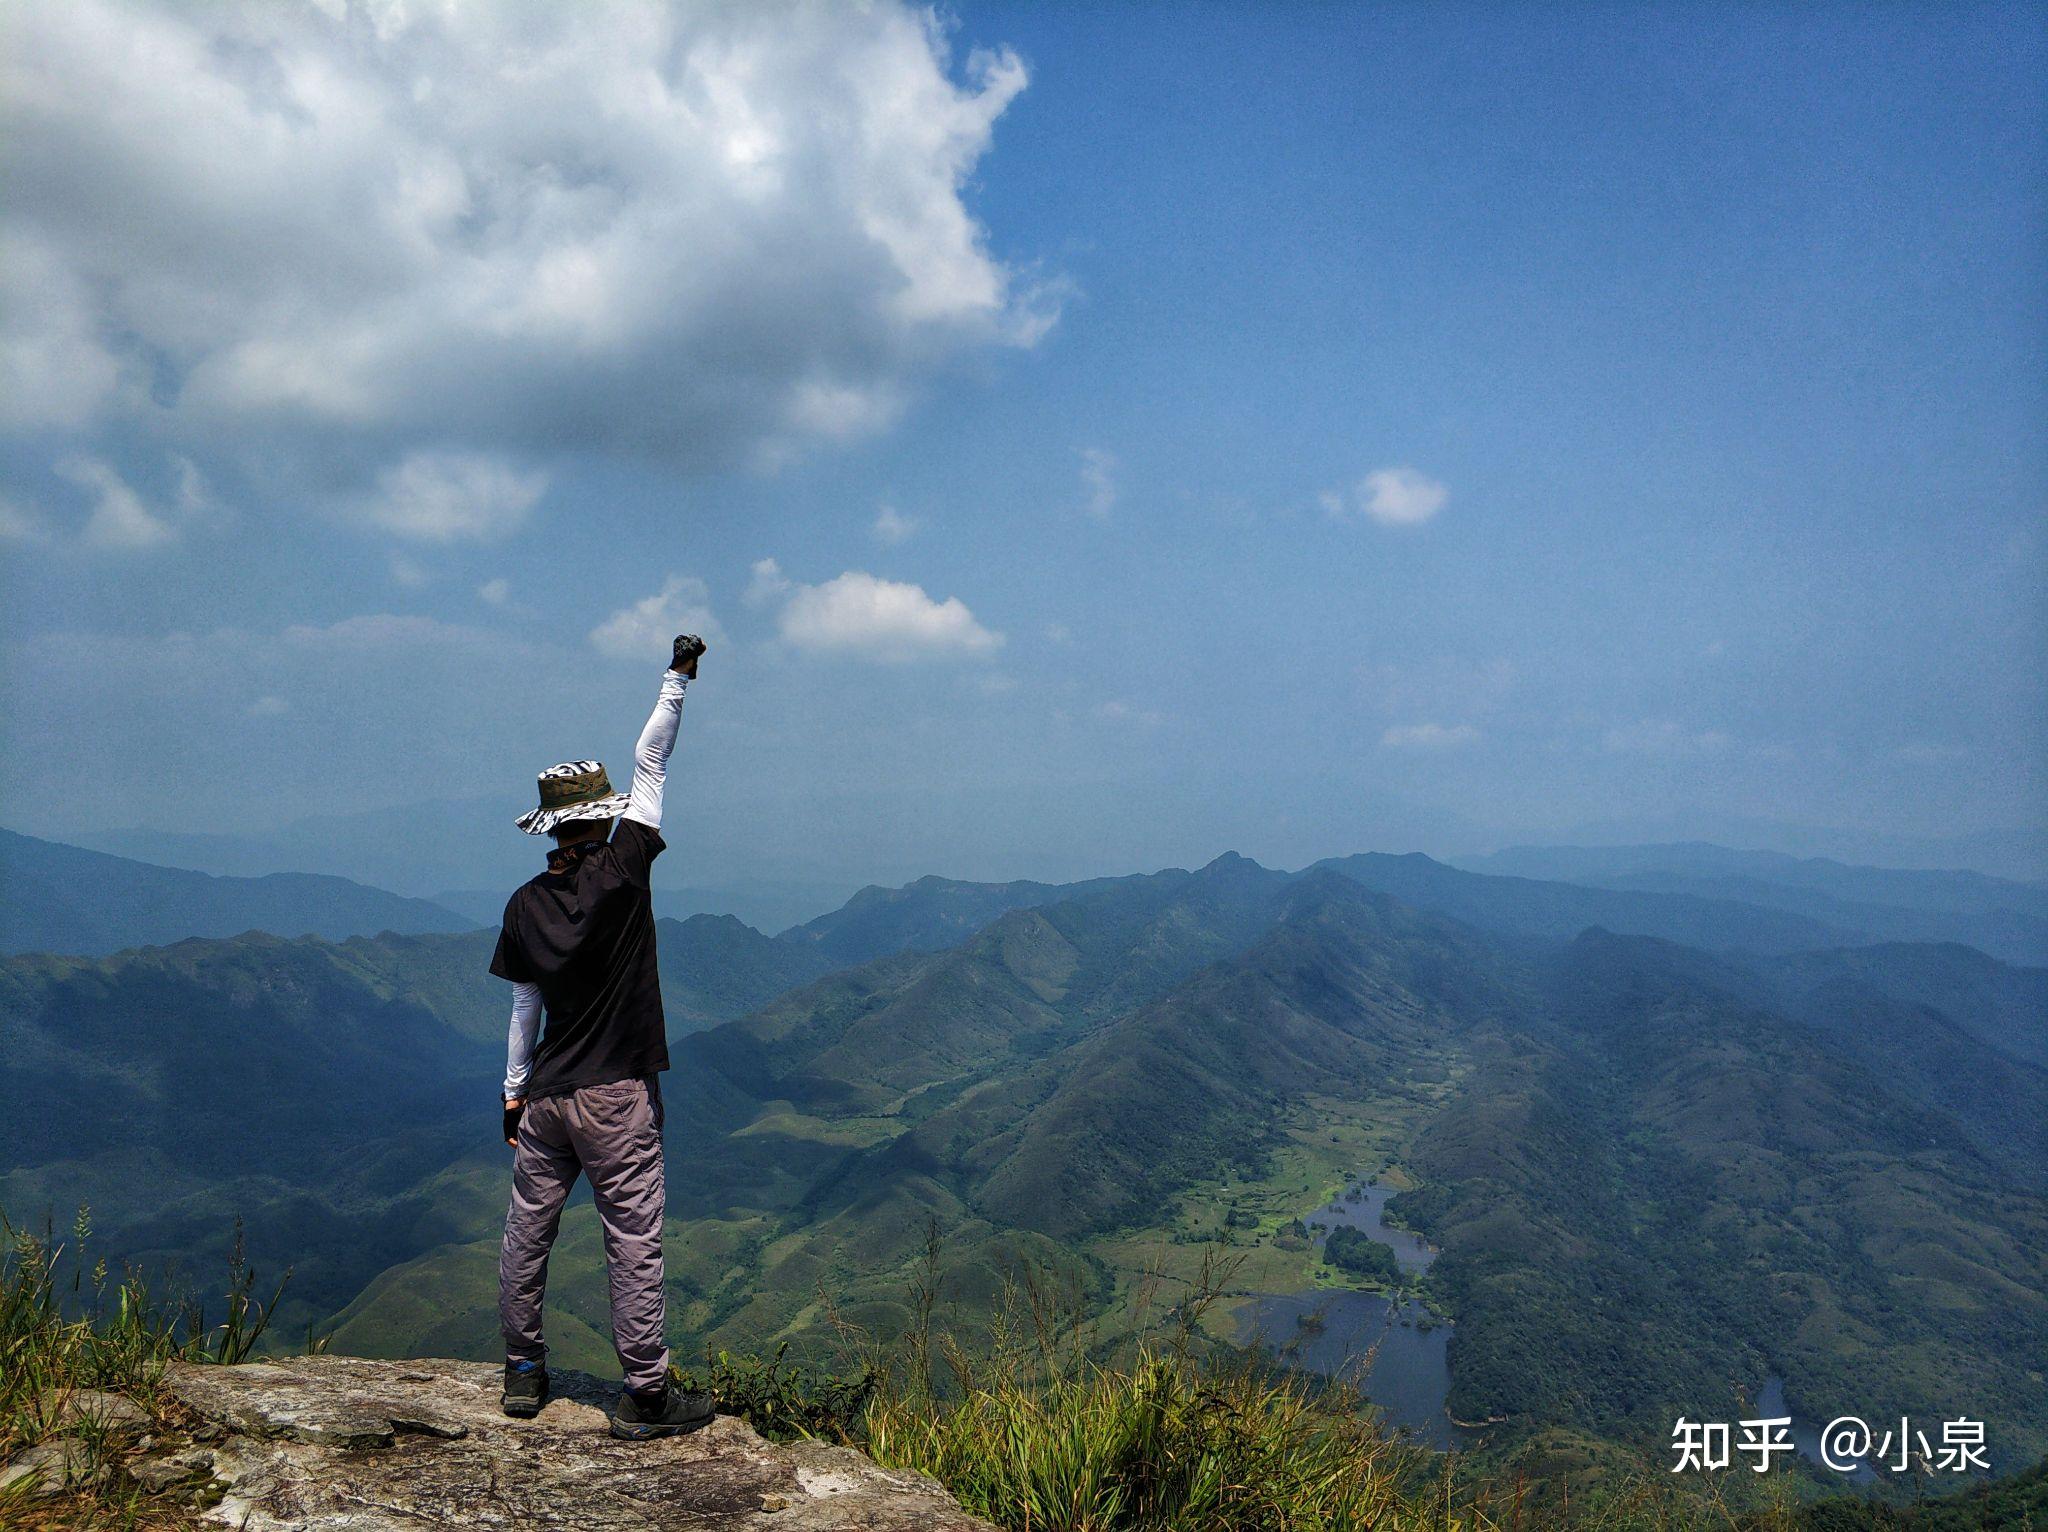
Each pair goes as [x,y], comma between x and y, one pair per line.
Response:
[336,1442]
[47,1469]
[106,1412]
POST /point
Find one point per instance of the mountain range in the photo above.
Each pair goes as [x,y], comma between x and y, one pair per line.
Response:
[1667,1145]
[66,899]
[452,848]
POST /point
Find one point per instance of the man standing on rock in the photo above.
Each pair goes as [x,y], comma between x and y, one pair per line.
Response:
[579,941]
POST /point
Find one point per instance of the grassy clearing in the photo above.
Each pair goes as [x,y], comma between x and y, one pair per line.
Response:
[837,1132]
[1328,1144]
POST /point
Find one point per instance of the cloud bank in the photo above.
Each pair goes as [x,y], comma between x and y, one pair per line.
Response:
[418,250]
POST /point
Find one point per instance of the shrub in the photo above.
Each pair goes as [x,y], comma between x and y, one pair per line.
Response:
[783,1400]
[1357,1254]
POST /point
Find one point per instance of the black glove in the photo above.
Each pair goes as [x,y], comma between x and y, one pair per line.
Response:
[689,649]
[512,1116]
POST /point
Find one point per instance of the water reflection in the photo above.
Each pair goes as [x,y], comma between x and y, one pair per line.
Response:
[1393,1351]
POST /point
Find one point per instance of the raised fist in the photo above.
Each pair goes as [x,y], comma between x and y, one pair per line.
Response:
[689,649]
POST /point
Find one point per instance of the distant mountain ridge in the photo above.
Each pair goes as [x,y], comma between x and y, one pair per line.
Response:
[926,915]
[1557,911]
[934,913]
[2006,918]
[1905,887]
[1698,894]
[59,898]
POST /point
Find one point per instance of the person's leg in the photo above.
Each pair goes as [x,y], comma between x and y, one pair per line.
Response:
[543,1172]
[616,1132]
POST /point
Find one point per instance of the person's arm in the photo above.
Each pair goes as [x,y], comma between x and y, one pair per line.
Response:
[519,1053]
[519,1039]
[508,962]
[658,739]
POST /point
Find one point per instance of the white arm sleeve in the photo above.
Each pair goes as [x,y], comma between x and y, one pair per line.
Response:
[650,756]
[519,1041]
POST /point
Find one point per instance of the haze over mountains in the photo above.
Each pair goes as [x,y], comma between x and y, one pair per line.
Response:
[464,852]
[2004,918]
[1668,1144]
[65,899]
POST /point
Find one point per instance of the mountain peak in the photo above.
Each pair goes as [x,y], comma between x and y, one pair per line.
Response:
[1230,861]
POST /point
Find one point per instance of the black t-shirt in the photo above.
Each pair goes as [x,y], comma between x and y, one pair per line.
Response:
[584,932]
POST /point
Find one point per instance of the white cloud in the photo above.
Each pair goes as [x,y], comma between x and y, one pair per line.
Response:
[119,519]
[55,371]
[1393,497]
[390,633]
[269,707]
[1662,736]
[407,573]
[1058,633]
[1098,481]
[1922,752]
[496,592]
[644,630]
[18,524]
[881,619]
[418,662]
[768,585]
[1119,711]
[703,234]
[1428,736]
[193,497]
[892,526]
[1401,497]
[1440,684]
[439,496]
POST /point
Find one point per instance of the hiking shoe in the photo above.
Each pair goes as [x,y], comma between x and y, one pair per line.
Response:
[674,1413]
[526,1389]
[689,649]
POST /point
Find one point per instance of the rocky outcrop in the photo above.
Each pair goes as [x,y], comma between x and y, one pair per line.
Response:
[336,1442]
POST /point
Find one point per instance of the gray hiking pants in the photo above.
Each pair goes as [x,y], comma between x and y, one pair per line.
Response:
[611,1133]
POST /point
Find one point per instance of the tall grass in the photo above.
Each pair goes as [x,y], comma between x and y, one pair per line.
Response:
[68,1325]
[1153,1444]
[1040,1428]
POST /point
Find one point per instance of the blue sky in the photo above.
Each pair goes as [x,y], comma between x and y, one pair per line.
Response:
[1288,429]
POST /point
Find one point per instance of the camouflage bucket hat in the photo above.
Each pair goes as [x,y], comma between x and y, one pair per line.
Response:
[573,790]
